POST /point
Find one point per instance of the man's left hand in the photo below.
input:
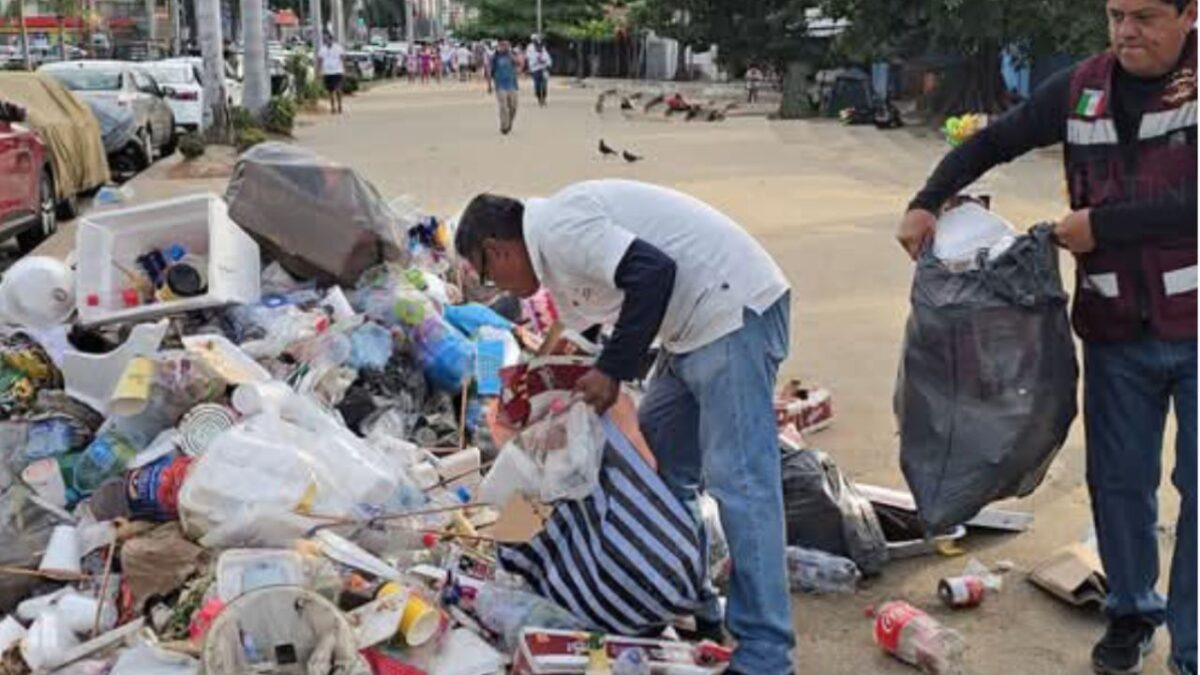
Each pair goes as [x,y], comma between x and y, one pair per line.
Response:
[599,390]
[1074,232]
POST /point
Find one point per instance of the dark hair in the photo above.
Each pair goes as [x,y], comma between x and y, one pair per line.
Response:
[488,216]
[1180,5]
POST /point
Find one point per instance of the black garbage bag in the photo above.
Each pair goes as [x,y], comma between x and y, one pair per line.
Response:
[825,511]
[987,385]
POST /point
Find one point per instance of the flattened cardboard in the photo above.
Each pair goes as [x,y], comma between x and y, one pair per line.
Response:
[1073,574]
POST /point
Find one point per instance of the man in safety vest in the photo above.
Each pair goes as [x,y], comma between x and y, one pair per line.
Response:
[1127,118]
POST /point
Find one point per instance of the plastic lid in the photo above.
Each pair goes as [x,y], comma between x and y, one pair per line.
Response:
[185,281]
[175,252]
[463,494]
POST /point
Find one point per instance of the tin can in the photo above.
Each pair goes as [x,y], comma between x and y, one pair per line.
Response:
[961,592]
[153,490]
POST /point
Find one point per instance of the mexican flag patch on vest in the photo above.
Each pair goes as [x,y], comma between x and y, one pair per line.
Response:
[1091,103]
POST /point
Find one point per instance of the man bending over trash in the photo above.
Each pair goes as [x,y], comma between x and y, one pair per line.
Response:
[652,262]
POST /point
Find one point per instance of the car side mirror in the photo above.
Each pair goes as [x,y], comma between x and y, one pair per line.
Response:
[166,92]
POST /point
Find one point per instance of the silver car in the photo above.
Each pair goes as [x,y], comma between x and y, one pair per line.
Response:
[129,86]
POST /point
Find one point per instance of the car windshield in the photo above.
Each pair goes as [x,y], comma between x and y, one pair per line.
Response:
[88,79]
[171,74]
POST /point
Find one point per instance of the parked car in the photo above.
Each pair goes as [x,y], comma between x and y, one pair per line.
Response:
[119,131]
[399,52]
[361,64]
[185,94]
[233,83]
[28,206]
[130,86]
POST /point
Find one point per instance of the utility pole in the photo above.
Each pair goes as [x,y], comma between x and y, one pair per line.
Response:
[176,28]
[318,24]
[409,20]
[24,33]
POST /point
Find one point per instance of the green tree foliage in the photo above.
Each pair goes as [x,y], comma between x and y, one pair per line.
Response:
[977,30]
[517,19]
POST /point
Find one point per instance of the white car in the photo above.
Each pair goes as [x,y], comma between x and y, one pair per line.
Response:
[233,84]
[185,95]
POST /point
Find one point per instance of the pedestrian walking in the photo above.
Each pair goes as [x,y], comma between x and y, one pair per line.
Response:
[412,63]
[426,64]
[504,78]
[539,69]
[655,263]
[332,69]
[462,58]
[1127,118]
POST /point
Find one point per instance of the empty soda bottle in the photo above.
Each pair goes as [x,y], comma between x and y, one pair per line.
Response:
[916,638]
[812,571]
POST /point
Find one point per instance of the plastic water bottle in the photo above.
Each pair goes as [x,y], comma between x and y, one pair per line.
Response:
[811,571]
[633,661]
[506,611]
[106,457]
[918,639]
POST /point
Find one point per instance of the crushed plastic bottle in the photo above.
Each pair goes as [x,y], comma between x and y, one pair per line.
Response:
[633,661]
[918,639]
[812,571]
[506,611]
[106,457]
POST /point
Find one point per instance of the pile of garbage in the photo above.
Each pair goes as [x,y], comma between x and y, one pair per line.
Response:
[282,431]
[285,431]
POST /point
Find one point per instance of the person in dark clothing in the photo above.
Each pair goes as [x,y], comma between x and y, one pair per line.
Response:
[1127,118]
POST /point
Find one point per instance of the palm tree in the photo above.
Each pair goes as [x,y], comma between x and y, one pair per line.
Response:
[208,29]
[256,90]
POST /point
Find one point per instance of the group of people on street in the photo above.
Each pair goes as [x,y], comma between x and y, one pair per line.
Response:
[651,263]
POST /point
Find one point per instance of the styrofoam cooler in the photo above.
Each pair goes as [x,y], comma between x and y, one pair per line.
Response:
[109,241]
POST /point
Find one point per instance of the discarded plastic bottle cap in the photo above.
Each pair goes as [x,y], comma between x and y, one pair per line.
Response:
[463,494]
[175,252]
[429,540]
[93,300]
[130,297]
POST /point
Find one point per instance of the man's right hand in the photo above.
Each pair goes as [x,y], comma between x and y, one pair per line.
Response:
[916,229]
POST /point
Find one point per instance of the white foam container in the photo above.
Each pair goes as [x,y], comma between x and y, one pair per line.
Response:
[198,222]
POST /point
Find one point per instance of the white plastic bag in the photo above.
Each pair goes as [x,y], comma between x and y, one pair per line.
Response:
[962,232]
[553,459]
[266,463]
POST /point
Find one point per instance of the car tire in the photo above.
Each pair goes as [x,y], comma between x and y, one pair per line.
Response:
[146,143]
[47,217]
[172,143]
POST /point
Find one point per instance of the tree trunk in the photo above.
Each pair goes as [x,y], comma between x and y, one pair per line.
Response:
[62,37]
[24,34]
[256,88]
[208,29]
[318,24]
[151,24]
[975,86]
[795,103]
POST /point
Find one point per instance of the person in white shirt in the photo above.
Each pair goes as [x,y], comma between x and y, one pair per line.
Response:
[655,263]
[446,52]
[332,69]
[539,62]
[462,56]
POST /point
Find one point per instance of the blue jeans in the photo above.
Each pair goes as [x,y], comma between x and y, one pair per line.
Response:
[1127,390]
[709,418]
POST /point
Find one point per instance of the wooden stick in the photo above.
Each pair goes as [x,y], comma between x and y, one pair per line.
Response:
[446,481]
[56,576]
[108,563]
[454,535]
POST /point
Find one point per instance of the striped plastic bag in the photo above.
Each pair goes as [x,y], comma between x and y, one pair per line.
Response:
[628,558]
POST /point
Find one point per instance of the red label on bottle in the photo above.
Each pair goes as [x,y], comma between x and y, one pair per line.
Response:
[890,622]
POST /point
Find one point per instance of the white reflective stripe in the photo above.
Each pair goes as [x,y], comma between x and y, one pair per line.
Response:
[1104,284]
[1162,123]
[1095,132]
[1182,280]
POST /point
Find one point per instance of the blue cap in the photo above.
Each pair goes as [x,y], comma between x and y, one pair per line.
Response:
[175,252]
[463,494]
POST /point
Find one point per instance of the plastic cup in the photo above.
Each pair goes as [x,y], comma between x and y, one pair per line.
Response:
[11,632]
[133,389]
[62,553]
[79,613]
[420,621]
[46,479]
